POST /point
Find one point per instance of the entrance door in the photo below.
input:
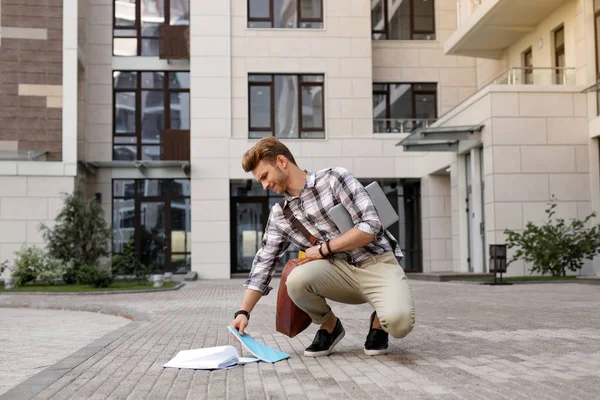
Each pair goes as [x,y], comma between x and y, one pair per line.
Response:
[248,220]
[470,228]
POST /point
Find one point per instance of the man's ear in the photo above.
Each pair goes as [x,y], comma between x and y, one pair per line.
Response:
[281,161]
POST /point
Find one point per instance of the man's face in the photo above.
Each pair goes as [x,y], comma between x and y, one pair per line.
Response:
[271,176]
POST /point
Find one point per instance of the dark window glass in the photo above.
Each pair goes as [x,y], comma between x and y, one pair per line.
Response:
[285,14]
[286,106]
[145,105]
[140,38]
[403,20]
[403,107]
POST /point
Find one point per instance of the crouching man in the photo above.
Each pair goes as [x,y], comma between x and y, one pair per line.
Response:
[359,266]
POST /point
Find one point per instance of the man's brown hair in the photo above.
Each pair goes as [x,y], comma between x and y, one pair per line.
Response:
[267,149]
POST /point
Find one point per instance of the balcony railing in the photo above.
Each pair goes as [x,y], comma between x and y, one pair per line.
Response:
[404,125]
[535,76]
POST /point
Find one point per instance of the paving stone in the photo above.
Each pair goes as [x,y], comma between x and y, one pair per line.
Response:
[470,342]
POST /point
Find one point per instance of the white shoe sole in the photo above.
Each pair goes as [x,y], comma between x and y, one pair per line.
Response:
[325,352]
[376,352]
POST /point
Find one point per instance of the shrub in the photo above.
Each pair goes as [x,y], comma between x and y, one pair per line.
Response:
[53,270]
[555,246]
[128,263]
[95,276]
[29,262]
[80,233]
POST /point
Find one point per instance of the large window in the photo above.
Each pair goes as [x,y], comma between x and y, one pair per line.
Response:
[154,216]
[146,105]
[403,19]
[286,106]
[403,107]
[285,13]
[136,22]
[597,36]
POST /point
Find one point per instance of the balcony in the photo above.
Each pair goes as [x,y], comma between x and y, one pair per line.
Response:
[536,76]
[495,25]
[405,125]
[174,42]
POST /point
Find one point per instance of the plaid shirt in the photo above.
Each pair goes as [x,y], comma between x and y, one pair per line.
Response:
[322,190]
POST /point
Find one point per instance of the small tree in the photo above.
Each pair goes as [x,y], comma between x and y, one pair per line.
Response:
[80,235]
[128,263]
[555,246]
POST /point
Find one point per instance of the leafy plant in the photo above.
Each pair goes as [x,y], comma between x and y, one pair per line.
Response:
[3,266]
[95,276]
[128,263]
[80,234]
[555,246]
[29,261]
[53,270]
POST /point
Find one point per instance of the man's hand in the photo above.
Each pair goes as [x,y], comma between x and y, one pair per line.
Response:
[313,252]
[240,323]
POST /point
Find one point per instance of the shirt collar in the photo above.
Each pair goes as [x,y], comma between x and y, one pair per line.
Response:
[309,183]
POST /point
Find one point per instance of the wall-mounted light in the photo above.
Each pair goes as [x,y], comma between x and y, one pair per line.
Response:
[540,43]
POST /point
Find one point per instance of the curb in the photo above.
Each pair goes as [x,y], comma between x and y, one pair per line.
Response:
[176,287]
[42,380]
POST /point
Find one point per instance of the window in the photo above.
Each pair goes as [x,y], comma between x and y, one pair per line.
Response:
[154,216]
[285,14]
[527,65]
[403,19]
[136,22]
[286,106]
[403,107]
[559,54]
[146,104]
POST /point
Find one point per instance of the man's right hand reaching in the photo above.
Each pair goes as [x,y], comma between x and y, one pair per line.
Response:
[240,323]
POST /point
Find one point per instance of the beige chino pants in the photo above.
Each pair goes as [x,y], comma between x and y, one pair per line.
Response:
[379,281]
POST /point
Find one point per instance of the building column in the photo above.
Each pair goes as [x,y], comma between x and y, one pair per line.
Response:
[210,130]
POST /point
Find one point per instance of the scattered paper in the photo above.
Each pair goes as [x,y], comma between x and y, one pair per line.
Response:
[225,357]
[259,350]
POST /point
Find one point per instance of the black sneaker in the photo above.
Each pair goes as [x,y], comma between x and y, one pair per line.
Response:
[324,342]
[377,340]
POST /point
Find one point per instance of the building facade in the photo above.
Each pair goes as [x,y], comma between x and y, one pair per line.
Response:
[471,115]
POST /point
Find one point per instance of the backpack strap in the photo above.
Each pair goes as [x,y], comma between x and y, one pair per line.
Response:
[289,215]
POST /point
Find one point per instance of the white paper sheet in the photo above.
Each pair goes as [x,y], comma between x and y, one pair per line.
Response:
[208,358]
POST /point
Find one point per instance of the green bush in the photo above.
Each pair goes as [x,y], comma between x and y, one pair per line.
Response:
[95,276]
[128,263]
[555,246]
[80,233]
[53,270]
[29,262]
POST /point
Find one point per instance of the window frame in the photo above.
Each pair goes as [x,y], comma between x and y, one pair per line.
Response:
[138,197]
[271,19]
[527,68]
[137,27]
[597,43]
[559,50]
[414,95]
[166,90]
[385,31]
[271,85]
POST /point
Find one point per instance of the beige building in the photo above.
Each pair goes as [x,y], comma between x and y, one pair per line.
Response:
[451,106]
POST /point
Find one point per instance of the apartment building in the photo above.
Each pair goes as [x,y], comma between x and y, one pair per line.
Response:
[470,114]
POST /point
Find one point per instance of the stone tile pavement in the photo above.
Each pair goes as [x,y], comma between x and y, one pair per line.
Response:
[538,341]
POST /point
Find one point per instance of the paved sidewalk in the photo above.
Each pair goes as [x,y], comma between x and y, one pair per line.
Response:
[470,342]
[33,340]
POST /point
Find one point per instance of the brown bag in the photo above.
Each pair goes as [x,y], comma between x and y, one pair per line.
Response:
[291,320]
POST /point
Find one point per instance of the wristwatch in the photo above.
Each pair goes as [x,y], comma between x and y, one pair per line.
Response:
[242,312]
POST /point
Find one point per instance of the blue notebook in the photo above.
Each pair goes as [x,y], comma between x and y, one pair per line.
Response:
[259,350]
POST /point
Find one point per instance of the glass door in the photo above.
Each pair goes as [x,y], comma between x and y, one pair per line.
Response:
[470,228]
[249,218]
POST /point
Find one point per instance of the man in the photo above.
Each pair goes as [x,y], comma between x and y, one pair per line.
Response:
[356,267]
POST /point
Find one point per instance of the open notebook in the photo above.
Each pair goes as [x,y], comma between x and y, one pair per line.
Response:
[209,358]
